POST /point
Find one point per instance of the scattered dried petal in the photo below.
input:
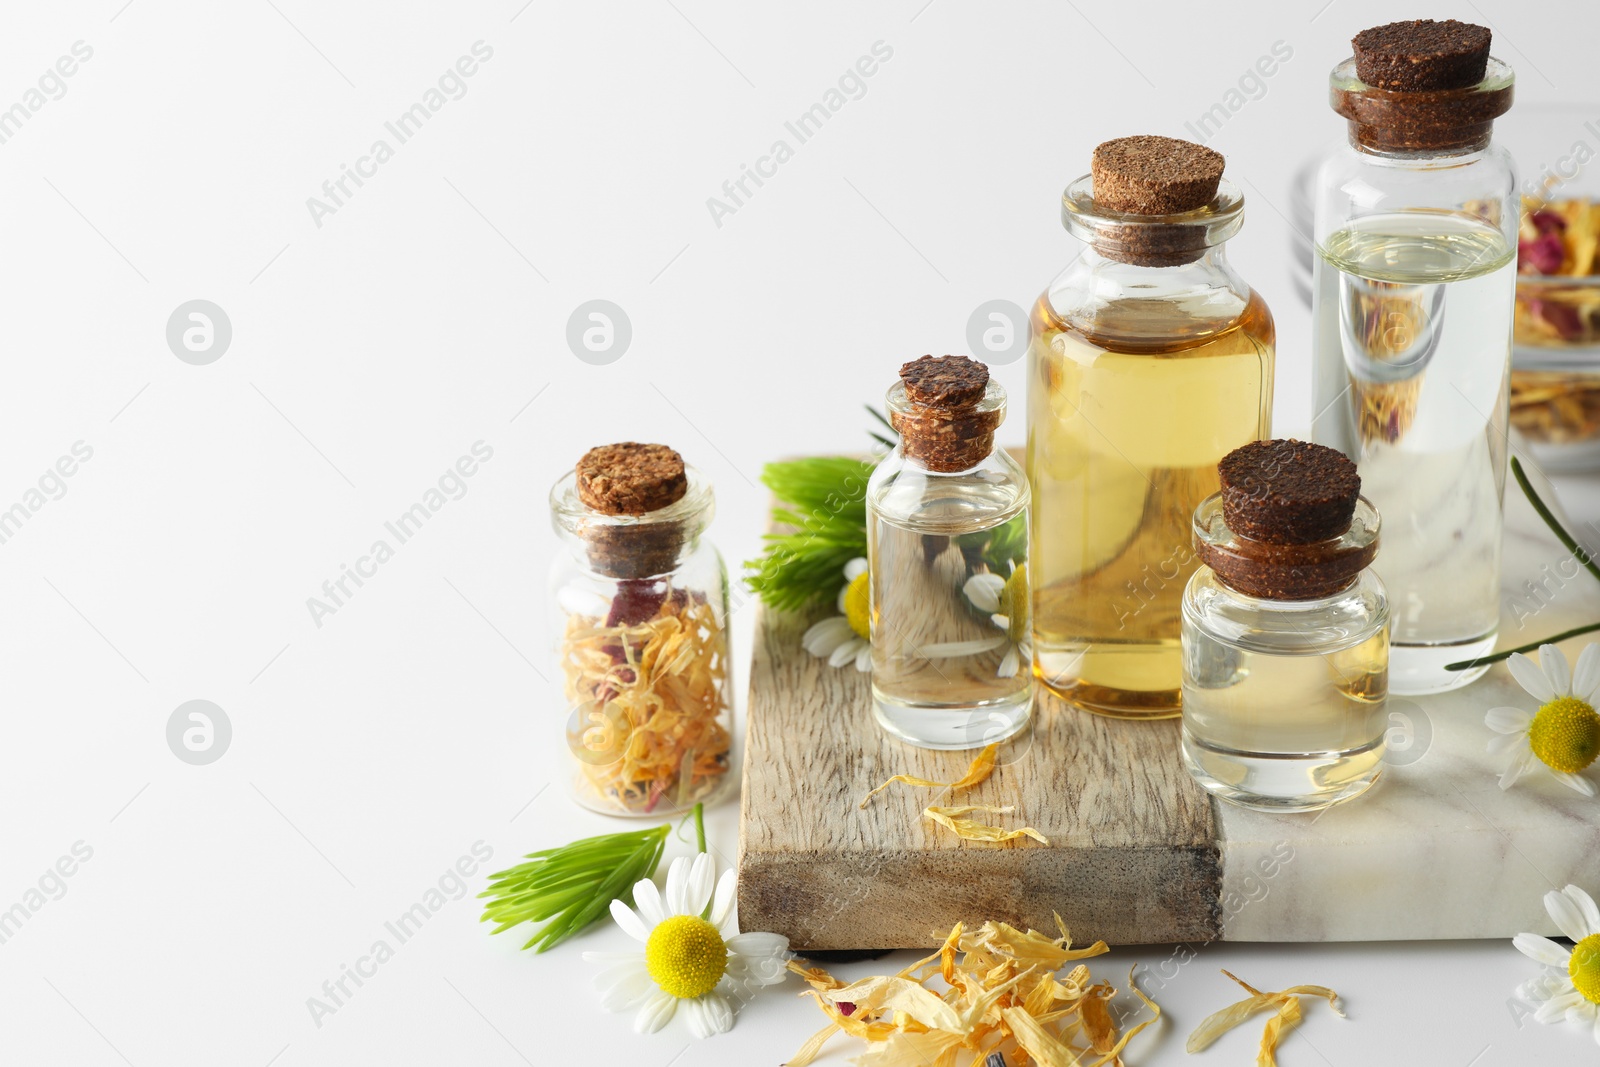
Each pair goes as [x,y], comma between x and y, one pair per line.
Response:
[982,767]
[1286,1003]
[971,830]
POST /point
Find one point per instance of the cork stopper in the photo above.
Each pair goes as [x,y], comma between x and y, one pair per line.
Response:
[946,411]
[632,479]
[1422,55]
[1289,522]
[1148,175]
[1288,492]
[1422,86]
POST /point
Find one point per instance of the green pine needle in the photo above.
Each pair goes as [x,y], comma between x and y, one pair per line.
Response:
[824,500]
[572,886]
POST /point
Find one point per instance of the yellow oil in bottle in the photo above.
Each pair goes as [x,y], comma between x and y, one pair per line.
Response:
[1128,415]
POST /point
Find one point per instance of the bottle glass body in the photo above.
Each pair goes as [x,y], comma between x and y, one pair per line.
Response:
[1413,294]
[948,557]
[1284,701]
[1141,378]
[638,611]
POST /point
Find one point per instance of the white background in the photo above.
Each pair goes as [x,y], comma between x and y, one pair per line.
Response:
[428,313]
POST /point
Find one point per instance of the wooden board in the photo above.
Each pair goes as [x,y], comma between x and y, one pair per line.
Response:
[1132,839]
[1138,853]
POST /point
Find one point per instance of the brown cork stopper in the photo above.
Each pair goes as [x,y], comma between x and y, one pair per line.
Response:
[945,381]
[1148,175]
[1422,55]
[1288,492]
[1287,507]
[944,423]
[630,478]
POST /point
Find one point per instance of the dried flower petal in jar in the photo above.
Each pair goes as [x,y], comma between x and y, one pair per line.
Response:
[639,603]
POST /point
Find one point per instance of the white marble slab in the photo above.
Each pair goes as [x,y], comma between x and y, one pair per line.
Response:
[1436,849]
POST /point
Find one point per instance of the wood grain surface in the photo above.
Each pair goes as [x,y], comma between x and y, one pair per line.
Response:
[1132,856]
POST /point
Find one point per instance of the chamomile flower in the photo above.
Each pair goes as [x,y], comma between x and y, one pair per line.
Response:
[1006,602]
[1564,734]
[847,636]
[694,955]
[1575,994]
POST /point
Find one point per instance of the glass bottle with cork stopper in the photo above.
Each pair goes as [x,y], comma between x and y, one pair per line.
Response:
[1285,632]
[1413,290]
[639,604]
[1150,359]
[947,540]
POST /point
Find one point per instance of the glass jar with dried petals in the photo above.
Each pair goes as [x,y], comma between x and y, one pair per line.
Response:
[639,603]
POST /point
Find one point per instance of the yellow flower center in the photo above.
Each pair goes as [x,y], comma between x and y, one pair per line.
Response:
[1565,735]
[1014,603]
[686,956]
[858,605]
[1585,968]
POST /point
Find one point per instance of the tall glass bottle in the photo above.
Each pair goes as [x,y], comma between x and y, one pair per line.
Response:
[947,540]
[1414,283]
[1150,360]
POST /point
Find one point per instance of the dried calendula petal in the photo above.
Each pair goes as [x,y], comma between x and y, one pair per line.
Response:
[997,990]
[1095,1011]
[955,819]
[888,993]
[982,767]
[1286,1005]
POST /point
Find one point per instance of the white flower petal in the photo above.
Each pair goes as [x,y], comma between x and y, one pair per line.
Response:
[1500,743]
[1586,907]
[1508,720]
[1009,664]
[1582,1012]
[984,591]
[747,973]
[864,658]
[1542,950]
[709,1014]
[629,920]
[1554,663]
[855,568]
[656,1013]
[847,651]
[1521,764]
[1556,1007]
[756,944]
[1576,782]
[628,989]
[722,903]
[701,881]
[1566,914]
[677,882]
[1530,677]
[647,899]
[1597,1028]
[1586,675]
[827,635]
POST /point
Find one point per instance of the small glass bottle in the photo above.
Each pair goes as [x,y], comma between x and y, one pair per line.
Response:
[1413,289]
[1150,359]
[1285,633]
[947,548]
[639,605]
